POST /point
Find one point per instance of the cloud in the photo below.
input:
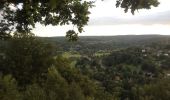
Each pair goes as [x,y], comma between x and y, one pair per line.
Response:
[126,29]
[157,18]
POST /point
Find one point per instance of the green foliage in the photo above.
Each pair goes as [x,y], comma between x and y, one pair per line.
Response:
[76,92]
[134,5]
[41,75]
[8,88]
[27,58]
[48,12]
[56,86]
[34,92]
[158,90]
[128,56]
[72,75]
[123,73]
[72,35]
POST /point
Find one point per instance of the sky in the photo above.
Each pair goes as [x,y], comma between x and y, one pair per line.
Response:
[106,20]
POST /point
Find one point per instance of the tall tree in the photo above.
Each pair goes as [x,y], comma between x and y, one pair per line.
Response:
[26,58]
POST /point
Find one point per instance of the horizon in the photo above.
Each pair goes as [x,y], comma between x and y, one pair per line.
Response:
[106,19]
[110,35]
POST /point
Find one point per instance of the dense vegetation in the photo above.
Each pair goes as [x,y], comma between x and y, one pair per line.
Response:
[94,68]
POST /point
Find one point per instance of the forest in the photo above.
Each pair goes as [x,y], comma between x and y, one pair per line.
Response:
[93,68]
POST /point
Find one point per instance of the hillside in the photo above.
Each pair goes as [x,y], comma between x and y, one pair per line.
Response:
[109,42]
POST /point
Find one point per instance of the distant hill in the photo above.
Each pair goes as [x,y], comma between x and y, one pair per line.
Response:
[109,42]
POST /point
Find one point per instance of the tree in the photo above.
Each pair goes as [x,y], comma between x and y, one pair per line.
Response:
[26,58]
[34,92]
[46,12]
[54,12]
[8,88]
[159,90]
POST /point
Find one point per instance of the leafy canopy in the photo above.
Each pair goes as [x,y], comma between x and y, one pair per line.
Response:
[134,5]
[22,15]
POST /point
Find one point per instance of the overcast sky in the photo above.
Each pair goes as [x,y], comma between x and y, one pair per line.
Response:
[106,19]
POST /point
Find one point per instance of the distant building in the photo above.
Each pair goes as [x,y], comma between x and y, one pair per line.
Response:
[168,75]
[143,50]
[145,55]
[166,54]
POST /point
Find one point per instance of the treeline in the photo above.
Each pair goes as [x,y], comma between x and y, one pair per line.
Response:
[95,43]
